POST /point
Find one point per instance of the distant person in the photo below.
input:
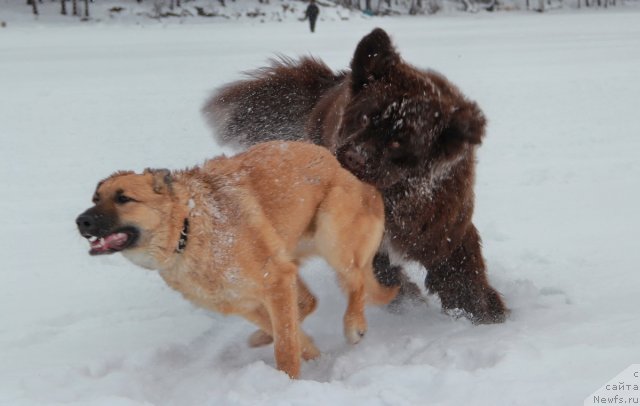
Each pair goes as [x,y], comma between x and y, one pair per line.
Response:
[312,14]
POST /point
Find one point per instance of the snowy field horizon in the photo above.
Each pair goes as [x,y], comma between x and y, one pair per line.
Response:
[256,12]
[556,206]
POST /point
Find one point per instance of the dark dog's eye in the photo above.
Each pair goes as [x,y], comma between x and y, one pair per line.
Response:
[122,199]
[395,145]
[364,120]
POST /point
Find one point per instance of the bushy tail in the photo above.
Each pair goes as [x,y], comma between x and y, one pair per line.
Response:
[273,103]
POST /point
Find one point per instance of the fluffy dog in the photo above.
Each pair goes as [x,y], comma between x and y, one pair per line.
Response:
[409,132]
[229,236]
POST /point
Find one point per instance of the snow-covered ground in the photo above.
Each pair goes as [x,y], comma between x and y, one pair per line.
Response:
[557,198]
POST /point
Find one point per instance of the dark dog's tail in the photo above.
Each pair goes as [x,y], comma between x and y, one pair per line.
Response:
[273,103]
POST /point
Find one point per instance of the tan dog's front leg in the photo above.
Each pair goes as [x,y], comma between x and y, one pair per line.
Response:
[307,303]
[282,305]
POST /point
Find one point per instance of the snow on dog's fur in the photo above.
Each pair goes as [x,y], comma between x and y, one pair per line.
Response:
[409,132]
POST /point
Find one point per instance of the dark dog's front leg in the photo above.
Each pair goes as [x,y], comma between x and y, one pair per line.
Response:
[393,275]
[386,274]
[461,282]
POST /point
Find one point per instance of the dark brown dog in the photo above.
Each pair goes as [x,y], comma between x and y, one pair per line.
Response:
[409,132]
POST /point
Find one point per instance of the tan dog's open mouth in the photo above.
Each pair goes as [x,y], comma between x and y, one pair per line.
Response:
[114,242]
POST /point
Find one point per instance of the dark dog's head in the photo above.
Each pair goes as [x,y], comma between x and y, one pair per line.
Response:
[130,212]
[402,122]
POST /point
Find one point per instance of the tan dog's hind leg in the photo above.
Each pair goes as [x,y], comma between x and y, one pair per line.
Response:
[307,302]
[260,317]
[355,324]
[349,229]
[263,336]
[342,256]
[260,338]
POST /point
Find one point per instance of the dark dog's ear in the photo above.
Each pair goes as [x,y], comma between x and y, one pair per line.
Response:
[161,180]
[466,126]
[373,59]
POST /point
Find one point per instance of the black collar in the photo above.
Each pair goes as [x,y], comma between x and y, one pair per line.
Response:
[184,235]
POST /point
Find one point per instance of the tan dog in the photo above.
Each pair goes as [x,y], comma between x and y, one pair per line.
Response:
[229,236]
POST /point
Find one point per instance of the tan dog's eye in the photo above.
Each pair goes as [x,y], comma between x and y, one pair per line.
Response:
[394,145]
[122,199]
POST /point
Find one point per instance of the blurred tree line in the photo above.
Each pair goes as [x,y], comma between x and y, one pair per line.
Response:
[370,7]
[63,7]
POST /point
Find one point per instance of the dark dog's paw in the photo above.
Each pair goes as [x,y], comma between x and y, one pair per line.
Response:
[409,296]
[483,306]
[493,309]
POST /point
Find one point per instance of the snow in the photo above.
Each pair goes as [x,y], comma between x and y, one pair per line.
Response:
[557,194]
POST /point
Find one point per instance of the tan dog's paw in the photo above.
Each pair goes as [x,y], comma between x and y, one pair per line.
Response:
[354,330]
[310,352]
[259,339]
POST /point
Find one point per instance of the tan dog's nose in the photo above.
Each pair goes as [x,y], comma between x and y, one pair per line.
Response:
[86,224]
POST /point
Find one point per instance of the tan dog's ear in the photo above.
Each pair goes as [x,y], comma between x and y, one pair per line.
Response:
[161,180]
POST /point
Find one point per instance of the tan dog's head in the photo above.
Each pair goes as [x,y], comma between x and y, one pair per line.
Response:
[130,212]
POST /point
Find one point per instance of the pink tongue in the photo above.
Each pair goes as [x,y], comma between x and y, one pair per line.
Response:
[113,241]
